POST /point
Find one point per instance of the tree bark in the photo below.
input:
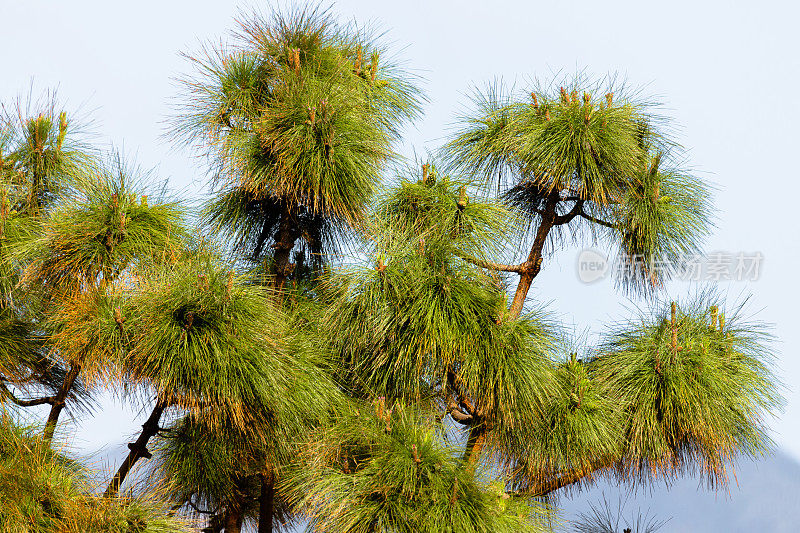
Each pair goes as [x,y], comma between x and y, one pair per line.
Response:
[6,392]
[457,414]
[534,261]
[233,520]
[266,503]
[491,265]
[569,477]
[215,524]
[475,440]
[284,242]
[60,400]
[138,449]
[262,238]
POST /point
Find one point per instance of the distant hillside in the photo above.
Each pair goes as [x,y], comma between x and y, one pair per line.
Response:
[767,499]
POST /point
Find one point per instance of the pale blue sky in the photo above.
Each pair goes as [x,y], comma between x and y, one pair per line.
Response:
[727,72]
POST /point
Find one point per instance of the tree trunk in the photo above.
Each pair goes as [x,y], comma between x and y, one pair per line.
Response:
[266,502]
[475,440]
[284,242]
[535,256]
[262,238]
[233,520]
[61,399]
[138,449]
[215,524]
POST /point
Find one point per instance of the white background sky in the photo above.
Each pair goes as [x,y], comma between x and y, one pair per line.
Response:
[727,72]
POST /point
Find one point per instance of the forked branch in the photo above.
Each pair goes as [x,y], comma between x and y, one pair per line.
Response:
[6,392]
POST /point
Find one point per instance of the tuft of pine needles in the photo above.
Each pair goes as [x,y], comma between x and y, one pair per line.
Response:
[298,125]
[602,157]
[384,467]
[53,493]
[695,393]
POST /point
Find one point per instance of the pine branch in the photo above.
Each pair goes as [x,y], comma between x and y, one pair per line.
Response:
[138,449]
[519,269]
[266,502]
[25,403]
[475,442]
[59,401]
[535,255]
[597,220]
[458,415]
[576,210]
[563,479]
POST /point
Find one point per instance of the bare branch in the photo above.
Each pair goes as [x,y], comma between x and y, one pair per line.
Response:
[576,210]
[458,415]
[597,220]
[25,403]
[519,269]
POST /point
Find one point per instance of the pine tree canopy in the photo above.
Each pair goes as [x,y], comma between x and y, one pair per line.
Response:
[334,341]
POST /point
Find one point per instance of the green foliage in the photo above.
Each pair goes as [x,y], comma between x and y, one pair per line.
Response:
[661,220]
[414,325]
[70,262]
[42,491]
[101,233]
[41,157]
[83,328]
[417,310]
[509,378]
[297,123]
[387,469]
[20,347]
[210,342]
[439,214]
[694,389]
[213,457]
[554,140]
[578,431]
[401,392]
[207,466]
[606,159]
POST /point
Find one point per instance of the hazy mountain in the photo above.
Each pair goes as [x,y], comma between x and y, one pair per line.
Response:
[767,499]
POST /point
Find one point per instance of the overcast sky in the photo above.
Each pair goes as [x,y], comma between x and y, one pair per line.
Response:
[727,73]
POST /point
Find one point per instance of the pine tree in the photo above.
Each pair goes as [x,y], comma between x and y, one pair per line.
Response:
[298,117]
[417,386]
